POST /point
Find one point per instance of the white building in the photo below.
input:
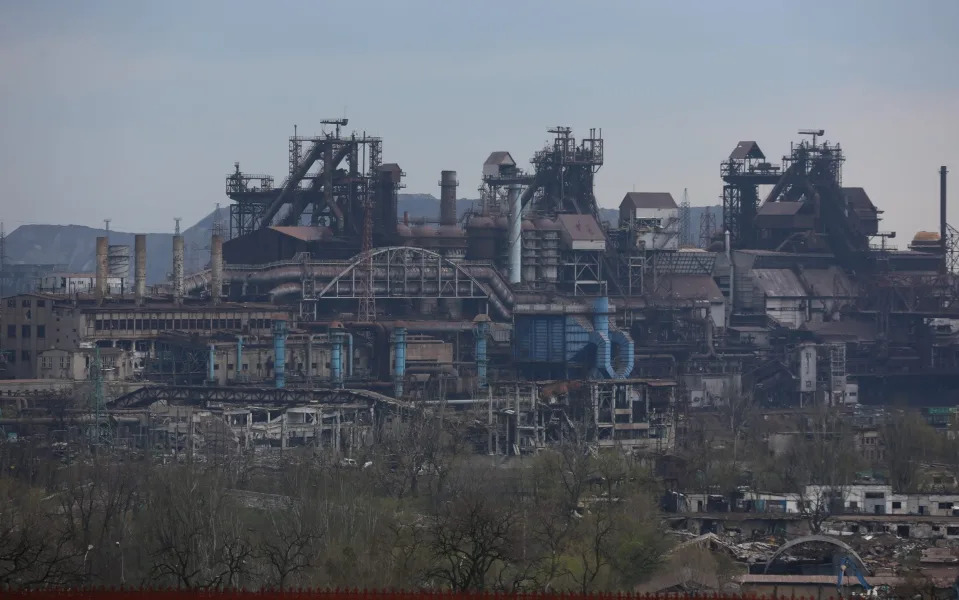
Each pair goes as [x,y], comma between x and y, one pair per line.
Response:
[655,217]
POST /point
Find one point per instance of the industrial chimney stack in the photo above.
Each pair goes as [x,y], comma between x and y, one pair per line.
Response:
[943,227]
[448,185]
[216,267]
[139,267]
[177,265]
[103,269]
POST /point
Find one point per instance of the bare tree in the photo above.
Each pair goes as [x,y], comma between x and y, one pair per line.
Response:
[819,467]
[473,534]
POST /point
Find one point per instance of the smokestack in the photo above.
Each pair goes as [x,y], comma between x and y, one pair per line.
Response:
[103,268]
[942,214]
[178,268]
[216,267]
[448,185]
[139,267]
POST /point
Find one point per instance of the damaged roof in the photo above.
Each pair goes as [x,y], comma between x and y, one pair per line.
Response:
[690,287]
[648,200]
[830,282]
[778,283]
[583,228]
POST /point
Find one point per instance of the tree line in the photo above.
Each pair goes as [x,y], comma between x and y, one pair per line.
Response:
[416,511]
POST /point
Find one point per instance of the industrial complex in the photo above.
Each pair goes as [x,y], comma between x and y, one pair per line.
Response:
[530,308]
[323,314]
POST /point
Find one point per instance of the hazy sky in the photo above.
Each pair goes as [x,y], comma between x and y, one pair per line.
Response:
[137,110]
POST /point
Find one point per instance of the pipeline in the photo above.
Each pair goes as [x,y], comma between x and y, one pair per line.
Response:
[294,273]
[336,356]
[399,368]
[279,353]
[515,235]
[482,329]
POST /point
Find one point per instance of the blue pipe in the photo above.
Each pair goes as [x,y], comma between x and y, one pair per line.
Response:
[211,376]
[482,330]
[279,353]
[399,367]
[336,356]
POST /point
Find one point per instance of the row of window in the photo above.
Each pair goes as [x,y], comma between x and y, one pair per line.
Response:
[25,303]
[176,324]
[25,331]
[24,356]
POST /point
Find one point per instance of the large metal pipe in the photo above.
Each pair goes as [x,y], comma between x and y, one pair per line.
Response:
[399,360]
[943,225]
[139,267]
[336,355]
[279,353]
[482,329]
[515,235]
[103,268]
[448,185]
[216,268]
[178,269]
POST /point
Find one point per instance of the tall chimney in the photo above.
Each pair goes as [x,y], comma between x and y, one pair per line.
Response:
[216,267]
[448,185]
[139,267]
[103,268]
[178,268]
[942,216]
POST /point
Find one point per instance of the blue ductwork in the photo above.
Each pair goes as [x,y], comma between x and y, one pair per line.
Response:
[279,353]
[482,330]
[566,338]
[336,356]
[399,359]
[606,339]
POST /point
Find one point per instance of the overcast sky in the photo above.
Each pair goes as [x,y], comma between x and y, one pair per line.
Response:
[137,110]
